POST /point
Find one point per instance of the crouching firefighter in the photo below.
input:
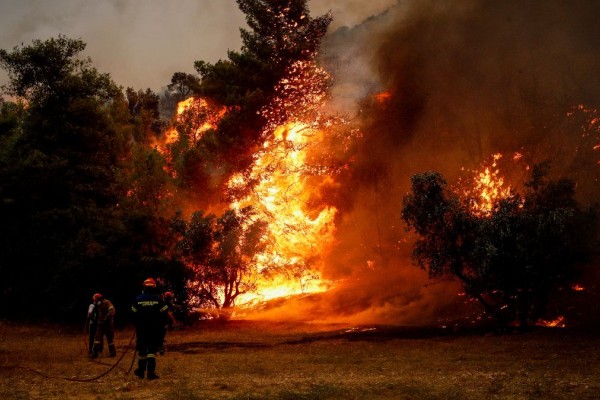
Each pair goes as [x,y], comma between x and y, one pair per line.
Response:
[149,316]
[105,312]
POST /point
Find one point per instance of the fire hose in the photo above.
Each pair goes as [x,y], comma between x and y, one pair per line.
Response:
[93,378]
[86,328]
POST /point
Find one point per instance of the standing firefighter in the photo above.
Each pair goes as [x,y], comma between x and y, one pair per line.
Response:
[171,322]
[149,315]
[106,327]
[91,323]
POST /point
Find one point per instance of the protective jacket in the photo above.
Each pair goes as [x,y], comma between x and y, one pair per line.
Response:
[149,316]
[105,314]
[105,310]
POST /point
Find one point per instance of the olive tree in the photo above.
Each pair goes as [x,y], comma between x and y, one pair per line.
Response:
[528,248]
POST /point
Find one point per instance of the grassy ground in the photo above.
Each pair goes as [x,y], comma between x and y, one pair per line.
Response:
[252,360]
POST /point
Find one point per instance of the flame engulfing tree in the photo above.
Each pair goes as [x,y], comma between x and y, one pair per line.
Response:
[281,34]
[513,258]
[221,252]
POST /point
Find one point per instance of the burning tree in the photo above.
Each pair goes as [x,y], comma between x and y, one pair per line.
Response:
[262,114]
[281,33]
[222,253]
[511,258]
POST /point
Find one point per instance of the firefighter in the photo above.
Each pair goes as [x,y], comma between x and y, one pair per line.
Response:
[91,323]
[150,316]
[106,327]
[171,322]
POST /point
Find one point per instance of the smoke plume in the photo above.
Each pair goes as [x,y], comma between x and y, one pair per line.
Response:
[462,80]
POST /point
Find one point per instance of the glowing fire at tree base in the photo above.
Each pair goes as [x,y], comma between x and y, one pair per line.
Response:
[297,234]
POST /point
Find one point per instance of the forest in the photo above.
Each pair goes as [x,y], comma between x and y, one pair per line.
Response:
[92,203]
[103,186]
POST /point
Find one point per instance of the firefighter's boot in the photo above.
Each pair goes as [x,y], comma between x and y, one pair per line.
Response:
[112,351]
[95,350]
[141,369]
[151,367]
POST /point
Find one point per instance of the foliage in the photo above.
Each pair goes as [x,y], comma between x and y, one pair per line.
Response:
[281,34]
[221,253]
[84,200]
[527,249]
[144,111]
[183,85]
[76,196]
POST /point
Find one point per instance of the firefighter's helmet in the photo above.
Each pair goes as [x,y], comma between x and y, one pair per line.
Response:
[150,283]
[96,297]
[168,295]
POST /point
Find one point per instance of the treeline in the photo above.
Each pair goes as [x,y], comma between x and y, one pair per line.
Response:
[88,203]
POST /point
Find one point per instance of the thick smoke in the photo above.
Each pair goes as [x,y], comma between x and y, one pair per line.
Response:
[140,43]
[349,12]
[464,79]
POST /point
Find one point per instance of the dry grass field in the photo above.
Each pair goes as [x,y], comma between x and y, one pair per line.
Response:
[258,360]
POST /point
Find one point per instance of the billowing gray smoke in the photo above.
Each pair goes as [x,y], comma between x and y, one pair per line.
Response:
[464,79]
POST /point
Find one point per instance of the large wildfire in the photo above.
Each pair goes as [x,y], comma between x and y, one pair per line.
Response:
[440,102]
[283,185]
[298,231]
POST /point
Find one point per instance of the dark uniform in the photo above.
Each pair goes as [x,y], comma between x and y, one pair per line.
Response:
[106,327]
[171,321]
[149,315]
[92,323]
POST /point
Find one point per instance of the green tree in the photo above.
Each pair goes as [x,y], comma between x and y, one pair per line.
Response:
[281,34]
[59,189]
[184,85]
[527,249]
[144,110]
[10,113]
[221,254]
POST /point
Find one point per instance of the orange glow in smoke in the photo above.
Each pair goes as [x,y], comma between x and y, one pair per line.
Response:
[383,97]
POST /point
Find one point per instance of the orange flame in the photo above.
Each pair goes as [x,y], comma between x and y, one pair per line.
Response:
[197,115]
[578,288]
[283,185]
[298,231]
[488,187]
[558,322]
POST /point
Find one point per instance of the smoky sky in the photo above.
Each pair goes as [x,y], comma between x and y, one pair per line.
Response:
[465,79]
[497,76]
[141,43]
